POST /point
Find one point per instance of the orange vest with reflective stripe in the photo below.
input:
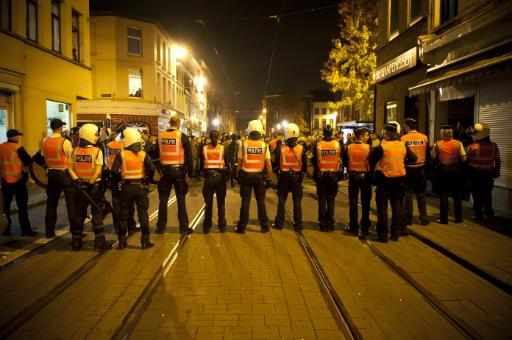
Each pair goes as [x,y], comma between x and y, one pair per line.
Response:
[417,142]
[114,148]
[132,165]
[448,151]
[253,155]
[84,162]
[54,153]
[213,156]
[291,158]
[358,157]
[481,155]
[171,148]
[328,155]
[10,163]
[392,162]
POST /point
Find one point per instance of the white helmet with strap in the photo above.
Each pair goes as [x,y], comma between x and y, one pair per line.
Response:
[90,133]
[291,131]
[255,126]
[130,136]
[482,131]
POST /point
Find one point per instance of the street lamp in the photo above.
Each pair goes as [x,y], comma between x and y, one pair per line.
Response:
[181,52]
[278,126]
[216,122]
[284,123]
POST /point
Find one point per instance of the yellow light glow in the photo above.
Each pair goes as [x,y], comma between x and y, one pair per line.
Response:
[181,52]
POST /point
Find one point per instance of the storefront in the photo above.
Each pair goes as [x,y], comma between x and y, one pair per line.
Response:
[57,110]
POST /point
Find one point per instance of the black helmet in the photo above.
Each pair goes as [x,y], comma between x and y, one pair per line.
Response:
[328,131]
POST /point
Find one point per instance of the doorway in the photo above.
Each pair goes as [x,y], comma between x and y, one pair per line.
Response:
[461,115]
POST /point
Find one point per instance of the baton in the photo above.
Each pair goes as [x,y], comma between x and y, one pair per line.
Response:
[84,192]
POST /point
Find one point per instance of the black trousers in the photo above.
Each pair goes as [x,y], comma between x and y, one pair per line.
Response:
[359,182]
[253,182]
[389,189]
[451,183]
[215,183]
[116,211]
[19,191]
[97,193]
[172,177]
[134,193]
[481,184]
[326,191]
[289,182]
[415,184]
[58,181]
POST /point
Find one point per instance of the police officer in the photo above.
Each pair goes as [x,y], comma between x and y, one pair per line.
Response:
[388,159]
[484,166]
[134,168]
[13,160]
[175,154]
[416,179]
[56,151]
[449,153]
[85,167]
[357,160]
[253,159]
[292,163]
[327,161]
[212,161]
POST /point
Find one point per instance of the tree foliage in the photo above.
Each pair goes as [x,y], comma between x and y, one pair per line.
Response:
[352,60]
[290,107]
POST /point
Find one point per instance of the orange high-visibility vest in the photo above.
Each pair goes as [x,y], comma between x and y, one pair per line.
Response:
[171,148]
[417,142]
[10,163]
[253,155]
[358,157]
[328,155]
[132,165]
[392,162]
[84,162]
[54,153]
[213,156]
[114,148]
[482,155]
[448,151]
[291,158]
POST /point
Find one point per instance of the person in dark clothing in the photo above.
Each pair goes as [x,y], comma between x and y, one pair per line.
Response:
[388,160]
[292,163]
[175,154]
[13,159]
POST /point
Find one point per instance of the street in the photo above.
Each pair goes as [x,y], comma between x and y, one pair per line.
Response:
[444,281]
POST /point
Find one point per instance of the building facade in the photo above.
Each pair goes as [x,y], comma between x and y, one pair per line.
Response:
[322,115]
[45,65]
[141,77]
[451,65]
[287,107]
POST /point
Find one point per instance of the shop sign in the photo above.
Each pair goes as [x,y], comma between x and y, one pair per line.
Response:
[396,65]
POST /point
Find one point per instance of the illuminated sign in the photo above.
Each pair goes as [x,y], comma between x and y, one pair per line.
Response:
[396,65]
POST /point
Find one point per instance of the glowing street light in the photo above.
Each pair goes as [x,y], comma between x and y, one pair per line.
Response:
[261,117]
[264,110]
[216,122]
[278,126]
[284,123]
[181,52]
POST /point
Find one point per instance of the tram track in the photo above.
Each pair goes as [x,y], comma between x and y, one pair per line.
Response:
[19,320]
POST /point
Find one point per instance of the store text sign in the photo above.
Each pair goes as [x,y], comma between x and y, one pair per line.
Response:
[396,65]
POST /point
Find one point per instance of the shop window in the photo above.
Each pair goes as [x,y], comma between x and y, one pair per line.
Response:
[415,10]
[56,110]
[134,41]
[4,124]
[135,82]
[448,10]
[393,18]
[56,25]
[75,35]
[31,20]
[5,14]
[391,110]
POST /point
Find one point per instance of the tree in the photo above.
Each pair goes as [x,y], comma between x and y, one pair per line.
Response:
[352,60]
[290,107]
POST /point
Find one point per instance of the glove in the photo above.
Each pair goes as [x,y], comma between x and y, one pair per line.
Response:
[81,184]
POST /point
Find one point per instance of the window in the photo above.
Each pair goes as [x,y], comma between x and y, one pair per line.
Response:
[317,110]
[324,122]
[158,51]
[414,10]
[448,10]
[134,41]
[391,111]
[5,14]
[57,110]
[135,82]
[56,25]
[393,18]
[32,20]
[324,111]
[75,35]
[317,123]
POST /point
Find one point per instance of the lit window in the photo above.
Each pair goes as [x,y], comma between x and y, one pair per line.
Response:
[75,32]
[56,25]
[393,18]
[135,82]
[134,41]
[5,14]
[391,108]
[31,20]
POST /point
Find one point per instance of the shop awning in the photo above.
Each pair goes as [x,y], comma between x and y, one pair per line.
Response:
[480,69]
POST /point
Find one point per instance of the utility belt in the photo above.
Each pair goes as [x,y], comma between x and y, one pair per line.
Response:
[173,169]
[292,173]
[214,172]
[57,170]
[128,182]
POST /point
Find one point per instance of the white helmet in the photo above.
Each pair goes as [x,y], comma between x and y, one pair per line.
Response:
[397,125]
[90,133]
[482,131]
[291,130]
[255,126]
[130,137]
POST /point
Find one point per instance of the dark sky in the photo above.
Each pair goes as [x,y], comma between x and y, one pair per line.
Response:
[245,46]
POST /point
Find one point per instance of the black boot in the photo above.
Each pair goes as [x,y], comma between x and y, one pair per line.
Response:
[145,243]
[100,242]
[122,241]
[76,242]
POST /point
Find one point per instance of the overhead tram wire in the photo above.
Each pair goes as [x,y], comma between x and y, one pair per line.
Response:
[274,44]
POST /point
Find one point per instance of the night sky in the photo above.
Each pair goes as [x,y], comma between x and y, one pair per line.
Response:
[245,45]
